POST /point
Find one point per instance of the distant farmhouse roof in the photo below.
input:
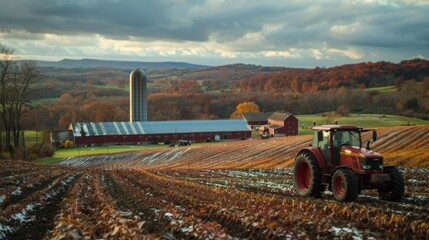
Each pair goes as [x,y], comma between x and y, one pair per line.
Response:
[157,127]
[277,116]
[256,116]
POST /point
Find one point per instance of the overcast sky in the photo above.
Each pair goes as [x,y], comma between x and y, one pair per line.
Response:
[217,32]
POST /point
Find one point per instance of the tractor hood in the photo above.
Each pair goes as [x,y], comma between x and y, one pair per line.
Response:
[368,160]
[360,152]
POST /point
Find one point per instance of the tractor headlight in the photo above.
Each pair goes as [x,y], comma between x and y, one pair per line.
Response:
[366,167]
[371,163]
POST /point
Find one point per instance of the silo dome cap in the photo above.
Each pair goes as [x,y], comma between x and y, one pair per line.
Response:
[137,73]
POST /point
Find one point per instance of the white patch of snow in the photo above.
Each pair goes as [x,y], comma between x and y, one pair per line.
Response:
[22,216]
[369,197]
[187,229]
[415,181]
[17,192]
[125,214]
[416,199]
[5,229]
[2,198]
[168,214]
[156,211]
[338,231]
[180,207]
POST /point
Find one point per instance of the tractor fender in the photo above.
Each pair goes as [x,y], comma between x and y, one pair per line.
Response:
[339,167]
[317,154]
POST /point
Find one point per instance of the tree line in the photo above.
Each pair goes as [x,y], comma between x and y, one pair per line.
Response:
[411,99]
[16,91]
[360,76]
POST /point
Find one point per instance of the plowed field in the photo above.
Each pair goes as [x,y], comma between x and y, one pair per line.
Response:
[403,146]
[215,191]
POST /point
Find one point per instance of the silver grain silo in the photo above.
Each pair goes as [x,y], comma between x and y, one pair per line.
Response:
[138,96]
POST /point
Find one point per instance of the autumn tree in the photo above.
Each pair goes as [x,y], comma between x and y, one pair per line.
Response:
[16,91]
[244,107]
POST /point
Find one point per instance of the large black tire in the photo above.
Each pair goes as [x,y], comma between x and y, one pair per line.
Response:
[396,190]
[307,176]
[344,185]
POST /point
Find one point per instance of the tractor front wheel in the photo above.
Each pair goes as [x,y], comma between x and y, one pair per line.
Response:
[307,176]
[344,185]
[396,189]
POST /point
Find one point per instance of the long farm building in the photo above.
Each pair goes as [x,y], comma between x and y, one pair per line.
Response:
[103,133]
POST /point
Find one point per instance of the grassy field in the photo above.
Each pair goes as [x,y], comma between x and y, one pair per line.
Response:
[362,120]
[32,136]
[60,154]
[387,88]
[45,101]
[382,89]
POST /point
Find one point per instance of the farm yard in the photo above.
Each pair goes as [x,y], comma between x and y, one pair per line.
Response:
[225,190]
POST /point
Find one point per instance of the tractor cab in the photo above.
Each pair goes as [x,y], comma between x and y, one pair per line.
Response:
[342,146]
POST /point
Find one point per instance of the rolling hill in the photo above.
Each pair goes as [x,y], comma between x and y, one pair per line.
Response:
[93,63]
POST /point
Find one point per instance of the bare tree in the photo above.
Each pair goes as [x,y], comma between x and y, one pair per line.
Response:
[16,81]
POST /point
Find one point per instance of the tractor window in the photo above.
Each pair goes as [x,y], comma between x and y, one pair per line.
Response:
[323,145]
[325,141]
[346,137]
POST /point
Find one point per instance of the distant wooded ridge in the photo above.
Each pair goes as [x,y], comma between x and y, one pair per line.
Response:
[100,94]
[245,77]
[93,63]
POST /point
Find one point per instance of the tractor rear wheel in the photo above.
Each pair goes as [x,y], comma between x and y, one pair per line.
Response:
[396,190]
[307,176]
[344,185]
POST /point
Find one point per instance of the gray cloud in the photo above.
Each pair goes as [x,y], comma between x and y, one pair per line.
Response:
[365,26]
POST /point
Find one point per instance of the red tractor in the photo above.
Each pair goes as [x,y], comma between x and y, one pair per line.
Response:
[337,160]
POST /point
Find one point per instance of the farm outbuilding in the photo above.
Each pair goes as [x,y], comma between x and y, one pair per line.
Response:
[280,124]
[101,133]
[273,123]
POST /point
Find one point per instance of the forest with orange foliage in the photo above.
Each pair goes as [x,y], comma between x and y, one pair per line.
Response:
[100,94]
[362,75]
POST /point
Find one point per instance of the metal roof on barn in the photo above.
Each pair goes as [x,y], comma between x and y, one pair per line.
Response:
[157,127]
[256,116]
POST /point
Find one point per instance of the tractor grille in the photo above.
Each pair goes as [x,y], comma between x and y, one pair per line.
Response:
[371,163]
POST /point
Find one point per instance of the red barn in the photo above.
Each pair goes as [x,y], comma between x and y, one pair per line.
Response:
[281,124]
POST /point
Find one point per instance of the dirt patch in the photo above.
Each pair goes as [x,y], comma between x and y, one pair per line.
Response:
[42,219]
[128,203]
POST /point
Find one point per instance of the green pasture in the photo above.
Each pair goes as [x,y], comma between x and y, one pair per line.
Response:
[32,136]
[44,101]
[363,120]
[61,154]
[113,86]
[127,86]
[382,89]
